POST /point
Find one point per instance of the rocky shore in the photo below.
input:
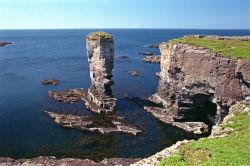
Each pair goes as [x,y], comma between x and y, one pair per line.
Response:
[217,131]
[198,88]
[53,161]
[107,125]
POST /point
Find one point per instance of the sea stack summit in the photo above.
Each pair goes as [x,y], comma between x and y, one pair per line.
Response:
[100,52]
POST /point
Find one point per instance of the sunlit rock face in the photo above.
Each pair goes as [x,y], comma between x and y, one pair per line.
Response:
[196,81]
[100,52]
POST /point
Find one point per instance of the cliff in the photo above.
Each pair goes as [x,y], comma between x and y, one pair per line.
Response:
[228,144]
[202,76]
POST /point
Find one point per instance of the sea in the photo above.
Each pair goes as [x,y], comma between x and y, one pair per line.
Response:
[26,131]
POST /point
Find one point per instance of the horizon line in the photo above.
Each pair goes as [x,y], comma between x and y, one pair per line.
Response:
[125,28]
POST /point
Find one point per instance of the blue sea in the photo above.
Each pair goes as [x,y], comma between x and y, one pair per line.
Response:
[26,131]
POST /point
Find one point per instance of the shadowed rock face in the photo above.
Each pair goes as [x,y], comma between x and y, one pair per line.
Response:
[100,50]
[194,79]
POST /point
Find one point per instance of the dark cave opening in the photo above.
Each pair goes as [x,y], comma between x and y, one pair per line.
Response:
[201,110]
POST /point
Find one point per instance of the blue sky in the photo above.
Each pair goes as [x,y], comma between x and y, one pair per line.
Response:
[199,14]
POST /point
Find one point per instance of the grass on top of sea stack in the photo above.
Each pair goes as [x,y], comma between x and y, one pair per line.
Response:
[100,34]
[234,48]
[233,149]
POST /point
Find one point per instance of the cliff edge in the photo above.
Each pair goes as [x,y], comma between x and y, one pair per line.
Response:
[202,76]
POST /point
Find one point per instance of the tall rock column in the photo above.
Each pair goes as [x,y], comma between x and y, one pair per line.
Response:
[100,50]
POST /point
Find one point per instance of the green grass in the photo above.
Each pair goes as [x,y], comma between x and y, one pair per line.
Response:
[235,49]
[223,151]
[100,34]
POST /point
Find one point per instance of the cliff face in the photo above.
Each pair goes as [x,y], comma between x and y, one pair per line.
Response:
[196,82]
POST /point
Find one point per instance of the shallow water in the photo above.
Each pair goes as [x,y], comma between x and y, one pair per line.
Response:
[26,131]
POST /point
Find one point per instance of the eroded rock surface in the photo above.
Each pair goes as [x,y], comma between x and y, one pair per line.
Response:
[106,125]
[152,59]
[50,82]
[53,161]
[68,95]
[100,49]
[198,83]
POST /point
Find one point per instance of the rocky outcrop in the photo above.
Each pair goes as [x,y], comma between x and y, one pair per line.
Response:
[53,161]
[134,73]
[50,82]
[218,131]
[146,53]
[123,57]
[167,117]
[4,43]
[197,83]
[152,59]
[111,124]
[68,95]
[100,49]
[98,98]
[153,46]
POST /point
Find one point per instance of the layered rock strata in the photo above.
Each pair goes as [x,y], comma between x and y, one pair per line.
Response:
[113,124]
[116,124]
[100,49]
[199,83]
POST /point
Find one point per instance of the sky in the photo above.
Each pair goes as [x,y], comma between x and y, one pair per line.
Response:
[181,14]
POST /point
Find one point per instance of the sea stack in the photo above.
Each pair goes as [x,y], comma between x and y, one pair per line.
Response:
[100,52]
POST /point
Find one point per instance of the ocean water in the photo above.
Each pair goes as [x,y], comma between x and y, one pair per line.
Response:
[26,131]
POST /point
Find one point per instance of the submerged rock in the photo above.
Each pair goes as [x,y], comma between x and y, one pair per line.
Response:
[153,46]
[50,82]
[123,57]
[107,125]
[134,73]
[4,43]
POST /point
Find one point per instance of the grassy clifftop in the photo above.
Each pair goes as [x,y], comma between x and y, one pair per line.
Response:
[233,149]
[236,49]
